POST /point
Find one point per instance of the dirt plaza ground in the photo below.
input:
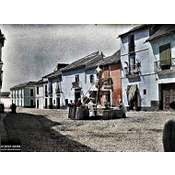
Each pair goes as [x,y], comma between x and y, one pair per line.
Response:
[51,130]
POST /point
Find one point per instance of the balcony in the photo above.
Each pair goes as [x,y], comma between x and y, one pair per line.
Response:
[165,66]
[76,85]
[132,71]
[57,90]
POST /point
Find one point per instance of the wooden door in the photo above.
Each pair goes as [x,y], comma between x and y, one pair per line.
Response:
[168,93]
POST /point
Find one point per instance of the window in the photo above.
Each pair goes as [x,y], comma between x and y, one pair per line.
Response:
[57,89]
[31,92]
[37,90]
[91,79]
[50,88]
[165,56]
[76,78]
[46,91]
[144,91]
[131,43]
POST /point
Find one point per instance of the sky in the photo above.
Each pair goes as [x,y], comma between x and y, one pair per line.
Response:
[32,51]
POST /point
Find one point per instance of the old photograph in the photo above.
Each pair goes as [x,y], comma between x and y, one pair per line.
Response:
[87,87]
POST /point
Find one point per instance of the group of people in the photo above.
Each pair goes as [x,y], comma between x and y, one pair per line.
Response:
[79,111]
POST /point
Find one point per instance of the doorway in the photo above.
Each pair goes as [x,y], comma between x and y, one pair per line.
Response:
[31,103]
[58,103]
[77,96]
[50,103]
[37,104]
[167,96]
[133,96]
[46,103]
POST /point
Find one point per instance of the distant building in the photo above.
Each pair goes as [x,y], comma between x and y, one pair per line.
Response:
[24,94]
[52,88]
[39,94]
[2,38]
[67,82]
[77,79]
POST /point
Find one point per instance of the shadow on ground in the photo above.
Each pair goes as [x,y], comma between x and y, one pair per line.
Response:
[35,134]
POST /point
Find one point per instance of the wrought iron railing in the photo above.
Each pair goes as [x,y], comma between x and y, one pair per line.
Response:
[165,64]
[58,90]
[132,70]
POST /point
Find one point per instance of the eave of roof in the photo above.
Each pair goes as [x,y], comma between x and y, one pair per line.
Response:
[134,29]
[115,58]
[30,83]
[165,30]
[81,62]
[54,74]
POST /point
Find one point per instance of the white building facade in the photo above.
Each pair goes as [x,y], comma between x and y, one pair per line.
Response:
[138,77]
[23,95]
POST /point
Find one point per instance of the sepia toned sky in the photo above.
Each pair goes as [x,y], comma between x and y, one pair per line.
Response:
[32,51]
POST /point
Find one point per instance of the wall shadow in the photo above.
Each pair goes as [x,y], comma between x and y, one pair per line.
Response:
[35,134]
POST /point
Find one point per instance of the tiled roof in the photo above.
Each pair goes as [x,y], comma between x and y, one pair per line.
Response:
[41,82]
[164,30]
[30,83]
[46,76]
[56,71]
[81,62]
[134,29]
[115,58]
[54,74]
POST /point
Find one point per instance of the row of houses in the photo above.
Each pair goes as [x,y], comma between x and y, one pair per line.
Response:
[69,82]
[141,74]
